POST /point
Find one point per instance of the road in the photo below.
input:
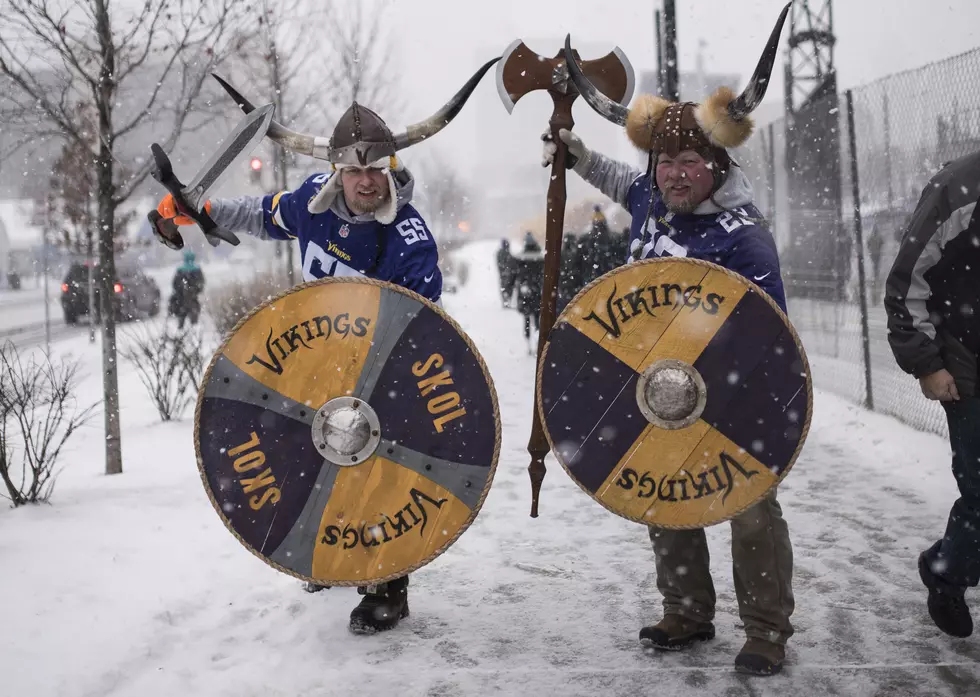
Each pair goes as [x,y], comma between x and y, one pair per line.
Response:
[22,311]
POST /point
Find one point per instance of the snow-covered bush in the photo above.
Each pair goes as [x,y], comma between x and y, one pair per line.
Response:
[232,301]
[170,363]
[38,413]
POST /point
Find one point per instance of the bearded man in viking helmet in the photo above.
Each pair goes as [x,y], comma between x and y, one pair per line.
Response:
[356,220]
[694,201]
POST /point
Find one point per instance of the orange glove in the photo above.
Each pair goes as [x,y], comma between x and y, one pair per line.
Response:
[168,209]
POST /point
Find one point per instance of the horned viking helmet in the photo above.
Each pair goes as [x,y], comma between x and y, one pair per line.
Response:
[361,137]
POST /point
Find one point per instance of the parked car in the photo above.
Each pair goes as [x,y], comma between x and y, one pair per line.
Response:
[134,294]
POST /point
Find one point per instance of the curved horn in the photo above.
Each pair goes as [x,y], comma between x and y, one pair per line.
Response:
[314,146]
[418,132]
[603,105]
[742,106]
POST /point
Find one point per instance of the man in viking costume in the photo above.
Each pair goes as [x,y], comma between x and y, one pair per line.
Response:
[694,201]
[356,220]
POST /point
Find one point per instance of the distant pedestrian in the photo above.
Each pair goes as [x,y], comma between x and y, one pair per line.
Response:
[530,281]
[507,271]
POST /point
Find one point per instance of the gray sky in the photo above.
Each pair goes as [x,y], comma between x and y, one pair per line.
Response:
[875,37]
[440,42]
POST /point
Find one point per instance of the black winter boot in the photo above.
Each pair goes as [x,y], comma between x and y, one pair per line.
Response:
[382,607]
[947,605]
[675,632]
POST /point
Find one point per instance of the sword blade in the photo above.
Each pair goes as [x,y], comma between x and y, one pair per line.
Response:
[250,131]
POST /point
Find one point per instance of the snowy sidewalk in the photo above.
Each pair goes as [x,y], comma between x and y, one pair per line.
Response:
[131,585]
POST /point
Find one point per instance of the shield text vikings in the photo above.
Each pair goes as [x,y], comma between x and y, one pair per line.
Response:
[675,392]
[347,431]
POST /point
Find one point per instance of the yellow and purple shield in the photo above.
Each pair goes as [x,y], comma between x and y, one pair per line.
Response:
[347,431]
[675,392]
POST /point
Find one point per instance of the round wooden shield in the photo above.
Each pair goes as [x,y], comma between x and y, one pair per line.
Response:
[347,431]
[674,392]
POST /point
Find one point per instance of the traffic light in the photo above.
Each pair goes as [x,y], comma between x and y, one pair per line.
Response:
[255,167]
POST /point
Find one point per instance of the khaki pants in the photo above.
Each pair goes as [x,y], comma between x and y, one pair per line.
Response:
[762,565]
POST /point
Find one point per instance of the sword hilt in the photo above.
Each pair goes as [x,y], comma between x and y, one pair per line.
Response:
[166,230]
[163,172]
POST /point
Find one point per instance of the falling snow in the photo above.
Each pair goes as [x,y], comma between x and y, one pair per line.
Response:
[132,585]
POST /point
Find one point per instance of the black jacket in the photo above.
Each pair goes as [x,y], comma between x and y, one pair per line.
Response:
[932,296]
[530,280]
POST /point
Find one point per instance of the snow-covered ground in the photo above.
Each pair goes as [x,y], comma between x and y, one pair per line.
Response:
[131,585]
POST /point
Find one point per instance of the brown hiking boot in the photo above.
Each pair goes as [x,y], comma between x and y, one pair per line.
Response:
[675,632]
[760,657]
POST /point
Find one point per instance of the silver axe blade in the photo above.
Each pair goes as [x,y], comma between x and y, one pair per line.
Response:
[501,90]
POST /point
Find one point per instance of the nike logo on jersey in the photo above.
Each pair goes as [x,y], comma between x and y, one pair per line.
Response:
[428,279]
[759,278]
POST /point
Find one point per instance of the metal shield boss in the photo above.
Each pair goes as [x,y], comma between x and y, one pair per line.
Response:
[675,392]
[347,431]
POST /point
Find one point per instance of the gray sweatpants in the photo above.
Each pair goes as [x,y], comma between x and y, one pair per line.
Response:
[762,565]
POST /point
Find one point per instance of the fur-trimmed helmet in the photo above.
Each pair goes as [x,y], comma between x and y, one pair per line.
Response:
[657,125]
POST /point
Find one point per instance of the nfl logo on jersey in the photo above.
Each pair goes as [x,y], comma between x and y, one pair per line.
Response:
[344,230]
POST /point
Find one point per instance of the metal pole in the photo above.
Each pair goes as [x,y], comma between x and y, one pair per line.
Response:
[44,264]
[659,47]
[670,51]
[91,294]
[888,149]
[772,177]
[859,234]
[90,263]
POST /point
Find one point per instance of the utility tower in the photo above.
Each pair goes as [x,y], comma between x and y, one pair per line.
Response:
[819,257]
[810,70]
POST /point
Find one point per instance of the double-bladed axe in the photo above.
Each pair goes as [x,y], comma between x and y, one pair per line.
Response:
[520,71]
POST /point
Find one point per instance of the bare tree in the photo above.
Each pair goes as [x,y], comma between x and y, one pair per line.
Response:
[448,204]
[57,56]
[229,303]
[65,208]
[312,60]
[278,57]
[170,363]
[38,412]
[67,201]
[360,67]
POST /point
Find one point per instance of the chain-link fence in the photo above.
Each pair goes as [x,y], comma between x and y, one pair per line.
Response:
[906,126]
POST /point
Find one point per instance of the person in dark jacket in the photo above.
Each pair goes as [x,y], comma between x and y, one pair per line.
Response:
[694,201]
[530,280]
[932,297]
[595,250]
[507,271]
[569,279]
[188,284]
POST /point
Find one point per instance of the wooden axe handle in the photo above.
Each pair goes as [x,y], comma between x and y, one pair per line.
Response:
[561,118]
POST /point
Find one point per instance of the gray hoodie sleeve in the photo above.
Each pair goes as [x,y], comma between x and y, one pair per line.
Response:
[607,175]
[242,214]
